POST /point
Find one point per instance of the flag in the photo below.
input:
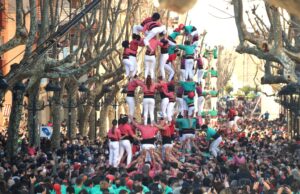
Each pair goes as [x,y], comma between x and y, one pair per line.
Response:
[46,131]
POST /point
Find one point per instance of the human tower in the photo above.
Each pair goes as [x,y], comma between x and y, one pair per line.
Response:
[192,63]
[182,101]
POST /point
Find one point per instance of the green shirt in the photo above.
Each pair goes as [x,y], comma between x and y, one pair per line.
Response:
[117,191]
[182,123]
[77,189]
[188,49]
[145,189]
[188,86]
[203,113]
[171,50]
[205,75]
[188,29]
[210,132]
[174,35]
[213,73]
[63,189]
[204,93]
[188,100]
[213,93]
[215,53]
[168,190]
[213,113]
[96,190]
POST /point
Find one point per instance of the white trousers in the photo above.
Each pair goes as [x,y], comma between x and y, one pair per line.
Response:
[131,105]
[114,153]
[213,102]
[162,62]
[180,105]
[137,29]
[213,148]
[148,106]
[191,111]
[170,110]
[182,74]
[200,73]
[213,82]
[194,33]
[152,33]
[147,147]
[163,105]
[129,67]
[189,64]
[201,101]
[134,62]
[171,71]
[125,146]
[150,63]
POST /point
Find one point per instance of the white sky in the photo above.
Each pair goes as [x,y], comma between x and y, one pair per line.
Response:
[220,31]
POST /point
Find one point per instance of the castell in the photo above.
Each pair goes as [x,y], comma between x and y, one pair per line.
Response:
[149,97]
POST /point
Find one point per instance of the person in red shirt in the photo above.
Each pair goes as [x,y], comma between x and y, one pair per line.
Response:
[148,102]
[150,59]
[134,44]
[126,135]
[132,85]
[148,133]
[129,66]
[163,56]
[166,135]
[114,136]
[153,28]
[138,28]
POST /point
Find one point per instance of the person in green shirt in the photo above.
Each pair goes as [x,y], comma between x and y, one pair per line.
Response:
[189,50]
[164,185]
[214,77]
[191,32]
[79,184]
[213,98]
[215,139]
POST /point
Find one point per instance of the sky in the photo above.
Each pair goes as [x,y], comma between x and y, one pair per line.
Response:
[220,31]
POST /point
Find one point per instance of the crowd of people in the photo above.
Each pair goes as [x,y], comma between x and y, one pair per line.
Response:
[184,151]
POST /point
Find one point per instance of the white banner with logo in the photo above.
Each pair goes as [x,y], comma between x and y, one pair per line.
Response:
[46,131]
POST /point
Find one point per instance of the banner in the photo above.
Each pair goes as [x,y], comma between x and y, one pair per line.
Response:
[46,131]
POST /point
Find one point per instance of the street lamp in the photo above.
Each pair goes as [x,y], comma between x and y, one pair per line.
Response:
[50,89]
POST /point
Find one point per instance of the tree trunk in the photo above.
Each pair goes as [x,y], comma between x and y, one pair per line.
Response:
[14,122]
[56,115]
[103,121]
[92,126]
[33,108]
[71,109]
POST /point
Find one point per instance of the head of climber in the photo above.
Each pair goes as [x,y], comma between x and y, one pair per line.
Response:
[148,81]
[155,16]
[204,127]
[171,88]
[136,37]
[181,26]
[187,42]
[125,44]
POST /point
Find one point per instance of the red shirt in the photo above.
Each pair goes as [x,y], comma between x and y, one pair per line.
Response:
[166,132]
[147,131]
[126,53]
[128,129]
[114,136]
[150,25]
[146,20]
[153,43]
[132,85]
[172,127]
[134,45]
[148,91]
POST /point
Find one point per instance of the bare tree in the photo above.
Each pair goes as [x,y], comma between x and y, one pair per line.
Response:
[225,66]
[270,41]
